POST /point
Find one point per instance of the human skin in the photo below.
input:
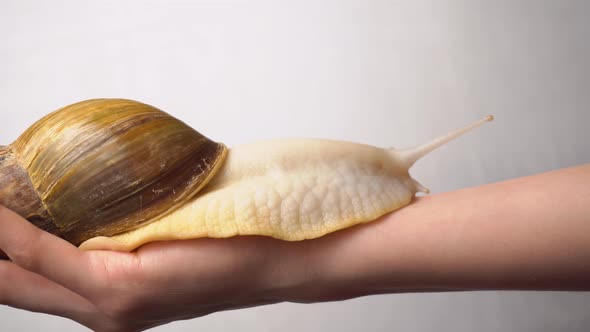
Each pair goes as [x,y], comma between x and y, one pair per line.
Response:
[530,233]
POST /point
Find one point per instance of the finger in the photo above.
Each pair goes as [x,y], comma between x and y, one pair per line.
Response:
[23,289]
[43,253]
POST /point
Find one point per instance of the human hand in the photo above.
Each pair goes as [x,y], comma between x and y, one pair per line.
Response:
[117,291]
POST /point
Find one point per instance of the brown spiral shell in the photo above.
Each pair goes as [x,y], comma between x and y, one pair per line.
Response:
[104,166]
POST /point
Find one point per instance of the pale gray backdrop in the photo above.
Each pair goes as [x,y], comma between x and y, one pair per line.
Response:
[388,73]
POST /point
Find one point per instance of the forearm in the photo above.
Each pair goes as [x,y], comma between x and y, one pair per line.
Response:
[526,233]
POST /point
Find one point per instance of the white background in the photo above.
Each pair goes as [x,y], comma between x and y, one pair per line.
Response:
[387,73]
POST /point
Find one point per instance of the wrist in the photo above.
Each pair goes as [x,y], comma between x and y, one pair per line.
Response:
[388,255]
[342,265]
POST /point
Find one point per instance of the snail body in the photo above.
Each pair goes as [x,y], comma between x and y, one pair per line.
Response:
[115,174]
[287,189]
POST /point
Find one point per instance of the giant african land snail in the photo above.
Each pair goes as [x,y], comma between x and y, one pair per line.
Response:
[115,174]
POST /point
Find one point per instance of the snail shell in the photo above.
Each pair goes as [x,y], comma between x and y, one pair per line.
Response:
[104,166]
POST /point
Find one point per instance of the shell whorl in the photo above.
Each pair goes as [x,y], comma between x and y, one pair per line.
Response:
[104,166]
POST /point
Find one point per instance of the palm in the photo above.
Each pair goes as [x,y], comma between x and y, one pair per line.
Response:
[116,291]
[155,279]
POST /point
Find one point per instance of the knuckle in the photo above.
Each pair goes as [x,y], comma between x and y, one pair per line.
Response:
[23,247]
[22,256]
[25,254]
[101,273]
[118,274]
[120,287]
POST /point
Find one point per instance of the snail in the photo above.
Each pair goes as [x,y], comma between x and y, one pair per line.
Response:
[114,174]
